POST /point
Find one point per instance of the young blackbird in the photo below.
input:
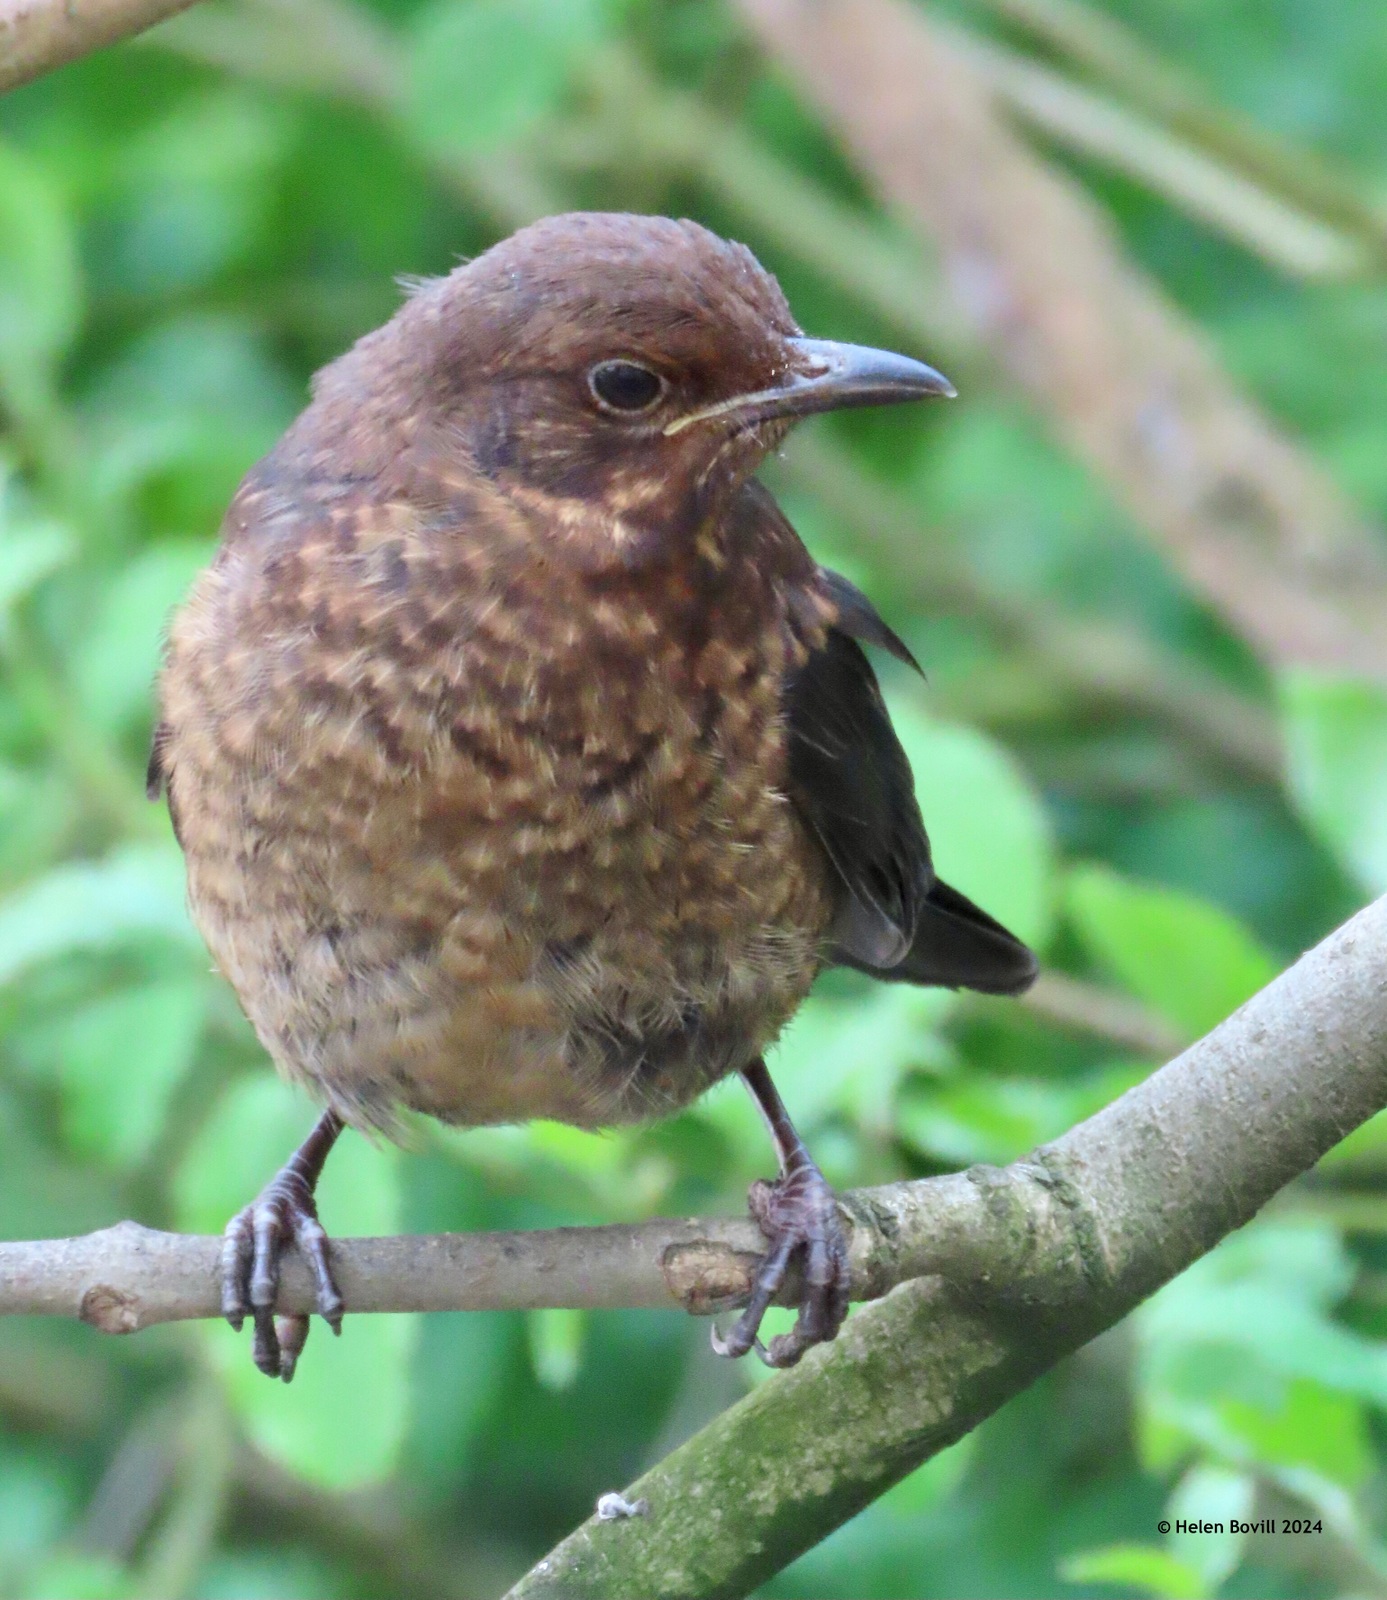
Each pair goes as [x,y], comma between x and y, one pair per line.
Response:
[525,762]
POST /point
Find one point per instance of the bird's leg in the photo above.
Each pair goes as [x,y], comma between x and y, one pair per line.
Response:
[798,1212]
[253,1246]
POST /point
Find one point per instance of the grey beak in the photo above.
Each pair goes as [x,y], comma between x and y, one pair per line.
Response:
[827,376]
[831,376]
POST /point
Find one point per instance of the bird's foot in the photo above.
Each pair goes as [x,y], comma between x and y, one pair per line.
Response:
[797,1213]
[284,1214]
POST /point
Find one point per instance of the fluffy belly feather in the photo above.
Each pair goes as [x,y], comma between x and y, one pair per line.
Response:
[380,977]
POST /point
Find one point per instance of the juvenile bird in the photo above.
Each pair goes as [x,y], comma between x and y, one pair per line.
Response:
[524,761]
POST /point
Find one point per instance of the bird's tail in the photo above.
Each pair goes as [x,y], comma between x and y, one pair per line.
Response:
[958,946]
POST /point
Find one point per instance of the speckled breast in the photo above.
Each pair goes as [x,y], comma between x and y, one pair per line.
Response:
[489,836]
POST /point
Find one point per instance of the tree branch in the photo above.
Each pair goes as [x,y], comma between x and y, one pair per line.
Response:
[38,35]
[128,1277]
[1085,1229]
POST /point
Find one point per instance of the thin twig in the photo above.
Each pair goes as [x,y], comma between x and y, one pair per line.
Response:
[1142,76]
[1071,1003]
[1205,186]
[128,1277]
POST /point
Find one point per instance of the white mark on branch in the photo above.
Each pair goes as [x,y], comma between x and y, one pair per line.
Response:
[615,1507]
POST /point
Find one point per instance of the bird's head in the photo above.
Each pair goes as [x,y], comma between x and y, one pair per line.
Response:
[633,370]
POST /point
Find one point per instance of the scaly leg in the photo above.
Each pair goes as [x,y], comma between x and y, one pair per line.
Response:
[798,1212]
[253,1247]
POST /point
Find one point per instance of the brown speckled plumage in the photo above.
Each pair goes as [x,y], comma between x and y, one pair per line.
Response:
[477,733]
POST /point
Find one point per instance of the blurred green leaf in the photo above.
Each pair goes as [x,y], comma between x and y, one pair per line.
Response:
[930,1483]
[40,288]
[998,1119]
[342,1421]
[193,190]
[986,824]
[848,1057]
[116,660]
[79,1577]
[1311,1426]
[30,549]
[556,1337]
[269,1574]
[1187,959]
[1211,1494]
[35,808]
[44,1195]
[120,1059]
[1244,1332]
[136,892]
[1137,1566]
[1336,752]
[36,1500]
[482,71]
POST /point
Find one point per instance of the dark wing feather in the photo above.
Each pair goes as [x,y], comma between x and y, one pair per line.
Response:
[851,780]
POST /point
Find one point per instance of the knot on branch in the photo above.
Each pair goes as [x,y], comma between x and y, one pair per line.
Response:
[110,1309]
[706,1277]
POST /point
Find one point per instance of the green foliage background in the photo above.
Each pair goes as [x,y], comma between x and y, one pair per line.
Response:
[192,223]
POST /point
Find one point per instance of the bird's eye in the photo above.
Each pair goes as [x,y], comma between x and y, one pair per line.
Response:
[625,386]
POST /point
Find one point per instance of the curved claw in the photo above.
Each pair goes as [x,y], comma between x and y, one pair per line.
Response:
[253,1248]
[721,1347]
[798,1215]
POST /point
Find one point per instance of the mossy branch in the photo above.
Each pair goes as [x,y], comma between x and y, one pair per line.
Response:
[1084,1230]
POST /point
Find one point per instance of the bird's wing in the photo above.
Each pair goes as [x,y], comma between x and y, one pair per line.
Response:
[852,782]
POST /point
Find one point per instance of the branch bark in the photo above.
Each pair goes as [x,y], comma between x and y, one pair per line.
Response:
[1128,383]
[37,36]
[128,1277]
[1085,1229]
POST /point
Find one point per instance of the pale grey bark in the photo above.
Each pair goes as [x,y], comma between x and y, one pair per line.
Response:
[38,35]
[129,1277]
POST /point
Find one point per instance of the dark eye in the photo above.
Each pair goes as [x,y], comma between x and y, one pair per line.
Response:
[625,386]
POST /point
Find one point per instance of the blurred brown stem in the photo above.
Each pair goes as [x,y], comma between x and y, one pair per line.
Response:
[1201,182]
[38,35]
[1142,76]
[1123,378]
[1083,1007]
